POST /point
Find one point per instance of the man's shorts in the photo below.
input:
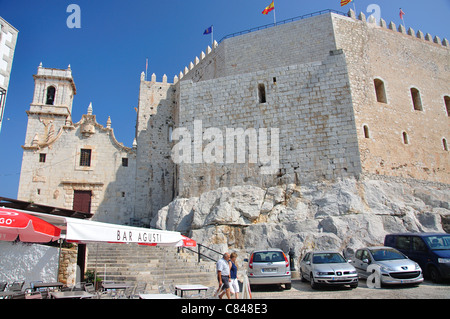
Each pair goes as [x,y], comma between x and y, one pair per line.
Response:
[225,282]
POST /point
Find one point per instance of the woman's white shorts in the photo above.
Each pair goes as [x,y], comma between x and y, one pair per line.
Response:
[234,286]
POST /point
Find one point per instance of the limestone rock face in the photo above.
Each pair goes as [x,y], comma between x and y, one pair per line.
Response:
[344,215]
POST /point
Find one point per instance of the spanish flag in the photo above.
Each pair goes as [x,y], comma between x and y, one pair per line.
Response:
[345,2]
[269,8]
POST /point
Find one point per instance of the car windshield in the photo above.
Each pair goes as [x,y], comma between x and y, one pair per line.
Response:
[386,254]
[268,256]
[438,242]
[328,258]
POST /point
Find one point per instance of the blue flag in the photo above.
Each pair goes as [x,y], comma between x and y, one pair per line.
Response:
[208,31]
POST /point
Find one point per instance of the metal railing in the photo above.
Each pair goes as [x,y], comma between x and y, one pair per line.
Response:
[200,254]
[309,15]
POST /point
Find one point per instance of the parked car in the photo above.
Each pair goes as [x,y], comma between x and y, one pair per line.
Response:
[269,266]
[430,250]
[395,267]
[327,268]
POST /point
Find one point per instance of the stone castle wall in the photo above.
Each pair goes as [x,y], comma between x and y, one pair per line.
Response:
[155,174]
[313,82]
[318,76]
[317,139]
[307,98]
[298,42]
[402,60]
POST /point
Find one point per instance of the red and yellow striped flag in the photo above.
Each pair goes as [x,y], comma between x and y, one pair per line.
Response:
[269,8]
[345,2]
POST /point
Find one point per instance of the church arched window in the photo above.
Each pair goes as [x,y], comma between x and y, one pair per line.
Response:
[51,92]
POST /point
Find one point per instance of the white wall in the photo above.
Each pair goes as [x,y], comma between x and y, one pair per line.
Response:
[29,262]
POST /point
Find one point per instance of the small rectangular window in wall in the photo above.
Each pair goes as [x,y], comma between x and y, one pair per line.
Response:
[380,91]
[447,104]
[262,93]
[417,100]
[42,158]
[125,162]
[85,157]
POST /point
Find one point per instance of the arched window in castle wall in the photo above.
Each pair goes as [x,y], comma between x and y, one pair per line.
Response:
[444,142]
[51,91]
[417,100]
[380,91]
[447,104]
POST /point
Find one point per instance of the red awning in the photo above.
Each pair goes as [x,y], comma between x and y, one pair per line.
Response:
[28,228]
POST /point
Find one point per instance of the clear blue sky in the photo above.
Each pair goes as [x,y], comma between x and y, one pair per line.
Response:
[107,54]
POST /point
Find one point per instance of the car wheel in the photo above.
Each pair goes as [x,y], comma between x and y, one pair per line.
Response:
[312,282]
[435,275]
[302,277]
[287,286]
[353,286]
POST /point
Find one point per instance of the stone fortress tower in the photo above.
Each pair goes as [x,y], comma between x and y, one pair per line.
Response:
[349,98]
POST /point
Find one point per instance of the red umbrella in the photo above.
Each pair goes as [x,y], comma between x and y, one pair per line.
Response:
[188,242]
[30,229]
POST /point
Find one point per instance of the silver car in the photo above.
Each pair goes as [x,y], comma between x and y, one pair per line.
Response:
[327,268]
[269,266]
[395,267]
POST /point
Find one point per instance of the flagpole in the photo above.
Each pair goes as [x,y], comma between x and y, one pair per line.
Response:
[274,14]
[146,69]
[354,7]
[402,17]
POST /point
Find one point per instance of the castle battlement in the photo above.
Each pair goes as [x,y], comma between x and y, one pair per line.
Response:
[361,17]
[401,29]
[186,70]
[197,61]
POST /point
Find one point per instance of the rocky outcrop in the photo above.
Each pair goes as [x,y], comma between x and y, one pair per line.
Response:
[342,215]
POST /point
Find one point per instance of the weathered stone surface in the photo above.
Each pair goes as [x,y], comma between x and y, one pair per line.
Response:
[343,215]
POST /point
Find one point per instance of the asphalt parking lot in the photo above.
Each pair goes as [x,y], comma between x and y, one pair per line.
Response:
[301,290]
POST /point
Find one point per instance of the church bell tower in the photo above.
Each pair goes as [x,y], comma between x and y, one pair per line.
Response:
[51,108]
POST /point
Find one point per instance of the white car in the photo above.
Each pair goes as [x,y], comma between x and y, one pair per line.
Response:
[327,268]
[270,266]
[395,268]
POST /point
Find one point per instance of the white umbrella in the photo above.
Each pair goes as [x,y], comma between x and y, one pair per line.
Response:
[246,291]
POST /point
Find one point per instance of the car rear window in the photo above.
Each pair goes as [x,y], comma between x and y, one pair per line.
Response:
[268,256]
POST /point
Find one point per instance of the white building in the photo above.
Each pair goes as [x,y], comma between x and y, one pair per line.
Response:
[8,40]
[78,166]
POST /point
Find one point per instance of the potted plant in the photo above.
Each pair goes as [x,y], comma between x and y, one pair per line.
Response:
[90,278]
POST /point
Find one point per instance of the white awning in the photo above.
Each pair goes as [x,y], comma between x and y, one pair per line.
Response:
[84,231]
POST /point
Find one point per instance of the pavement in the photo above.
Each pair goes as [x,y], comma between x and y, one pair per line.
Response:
[301,290]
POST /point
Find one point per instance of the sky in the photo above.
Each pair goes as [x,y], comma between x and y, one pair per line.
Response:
[108,52]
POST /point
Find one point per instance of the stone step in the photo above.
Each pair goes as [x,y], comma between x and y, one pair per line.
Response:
[152,265]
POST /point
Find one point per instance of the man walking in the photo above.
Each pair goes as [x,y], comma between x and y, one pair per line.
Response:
[223,275]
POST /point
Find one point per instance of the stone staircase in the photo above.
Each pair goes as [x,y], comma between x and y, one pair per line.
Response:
[153,265]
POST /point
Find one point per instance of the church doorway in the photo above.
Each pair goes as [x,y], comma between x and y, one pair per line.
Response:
[82,201]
